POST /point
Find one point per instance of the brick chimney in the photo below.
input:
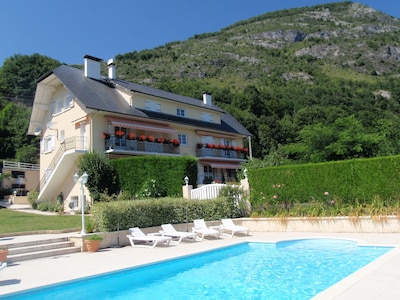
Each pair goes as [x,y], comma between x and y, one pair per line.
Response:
[92,67]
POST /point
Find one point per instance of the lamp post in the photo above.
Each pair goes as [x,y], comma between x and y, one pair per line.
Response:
[83,181]
[186,180]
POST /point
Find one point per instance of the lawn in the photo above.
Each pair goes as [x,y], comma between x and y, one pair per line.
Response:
[16,221]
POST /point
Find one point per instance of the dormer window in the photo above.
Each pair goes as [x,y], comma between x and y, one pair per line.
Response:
[206,117]
[180,112]
[152,105]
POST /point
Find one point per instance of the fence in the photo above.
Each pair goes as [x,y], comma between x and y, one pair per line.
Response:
[208,191]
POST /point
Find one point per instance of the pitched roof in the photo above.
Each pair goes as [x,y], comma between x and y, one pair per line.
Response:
[102,95]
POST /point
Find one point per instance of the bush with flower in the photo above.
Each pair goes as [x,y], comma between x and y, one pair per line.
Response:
[150,138]
[141,137]
[119,133]
[131,136]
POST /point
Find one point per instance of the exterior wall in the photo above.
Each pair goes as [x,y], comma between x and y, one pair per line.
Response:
[169,107]
[31,178]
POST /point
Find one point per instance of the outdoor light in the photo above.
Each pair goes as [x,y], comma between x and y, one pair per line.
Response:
[186,180]
[83,181]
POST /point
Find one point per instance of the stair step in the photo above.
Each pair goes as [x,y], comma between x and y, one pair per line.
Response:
[19,251]
[35,242]
[39,247]
[41,254]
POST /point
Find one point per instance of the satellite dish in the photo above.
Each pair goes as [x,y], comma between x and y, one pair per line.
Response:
[37,131]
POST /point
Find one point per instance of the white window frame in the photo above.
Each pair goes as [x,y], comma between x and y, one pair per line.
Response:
[48,143]
[62,104]
[180,112]
[183,139]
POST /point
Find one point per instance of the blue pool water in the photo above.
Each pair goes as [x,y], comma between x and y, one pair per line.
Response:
[297,269]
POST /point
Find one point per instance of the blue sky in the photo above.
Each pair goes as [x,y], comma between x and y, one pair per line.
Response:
[66,30]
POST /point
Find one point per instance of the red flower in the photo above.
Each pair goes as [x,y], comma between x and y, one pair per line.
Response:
[150,138]
[141,137]
[246,150]
[131,136]
[161,140]
[119,133]
[174,142]
[210,146]
[238,149]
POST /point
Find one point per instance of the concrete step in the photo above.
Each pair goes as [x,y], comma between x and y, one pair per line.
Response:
[39,248]
[42,254]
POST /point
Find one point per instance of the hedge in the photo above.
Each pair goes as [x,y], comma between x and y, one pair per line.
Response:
[168,172]
[154,212]
[352,180]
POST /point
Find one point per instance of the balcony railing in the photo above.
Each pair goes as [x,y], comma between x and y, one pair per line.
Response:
[140,146]
[222,153]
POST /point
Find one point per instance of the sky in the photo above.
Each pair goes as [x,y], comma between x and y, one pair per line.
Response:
[67,30]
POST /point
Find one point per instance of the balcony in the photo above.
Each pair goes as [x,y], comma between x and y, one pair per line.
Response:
[220,153]
[116,144]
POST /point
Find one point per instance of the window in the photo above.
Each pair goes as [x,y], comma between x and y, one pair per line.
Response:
[182,139]
[206,117]
[153,106]
[61,104]
[74,203]
[48,143]
[180,112]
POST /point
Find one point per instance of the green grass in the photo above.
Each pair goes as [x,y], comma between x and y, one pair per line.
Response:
[15,221]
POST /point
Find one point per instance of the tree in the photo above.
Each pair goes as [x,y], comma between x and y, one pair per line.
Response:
[19,73]
[102,176]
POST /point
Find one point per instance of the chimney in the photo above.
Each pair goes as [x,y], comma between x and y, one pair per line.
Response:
[92,67]
[207,98]
[111,69]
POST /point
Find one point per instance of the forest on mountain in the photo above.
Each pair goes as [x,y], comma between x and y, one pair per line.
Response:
[311,84]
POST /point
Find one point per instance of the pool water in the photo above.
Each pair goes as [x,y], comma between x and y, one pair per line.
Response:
[298,269]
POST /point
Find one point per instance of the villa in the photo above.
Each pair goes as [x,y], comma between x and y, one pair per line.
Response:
[80,111]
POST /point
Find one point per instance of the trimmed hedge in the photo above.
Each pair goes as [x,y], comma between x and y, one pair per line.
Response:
[359,180]
[154,212]
[168,172]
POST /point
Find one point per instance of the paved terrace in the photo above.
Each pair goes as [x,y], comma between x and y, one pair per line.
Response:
[378,280]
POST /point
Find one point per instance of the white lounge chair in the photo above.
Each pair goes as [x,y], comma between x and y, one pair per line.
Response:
[232,228]
[2,265]
[201,229]
[139,239]
[169,230]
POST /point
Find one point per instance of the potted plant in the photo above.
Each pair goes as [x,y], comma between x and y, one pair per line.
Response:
[92,242]
[3,254]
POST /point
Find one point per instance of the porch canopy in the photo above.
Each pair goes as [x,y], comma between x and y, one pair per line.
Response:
[119,122]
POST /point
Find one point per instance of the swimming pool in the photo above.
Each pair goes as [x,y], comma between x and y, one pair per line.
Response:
[297,269]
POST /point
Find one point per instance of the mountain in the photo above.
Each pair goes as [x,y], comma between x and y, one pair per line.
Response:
[295,78]
[311,84]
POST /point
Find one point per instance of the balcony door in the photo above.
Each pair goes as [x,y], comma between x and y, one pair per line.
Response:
[83,136]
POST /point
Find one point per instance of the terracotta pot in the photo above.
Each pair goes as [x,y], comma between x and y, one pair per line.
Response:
[92,245]
[3,255]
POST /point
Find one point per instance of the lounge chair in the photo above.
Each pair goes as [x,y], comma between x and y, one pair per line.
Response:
[201,229]
[138,239]
[2,265]
[169,230]
[231,228]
